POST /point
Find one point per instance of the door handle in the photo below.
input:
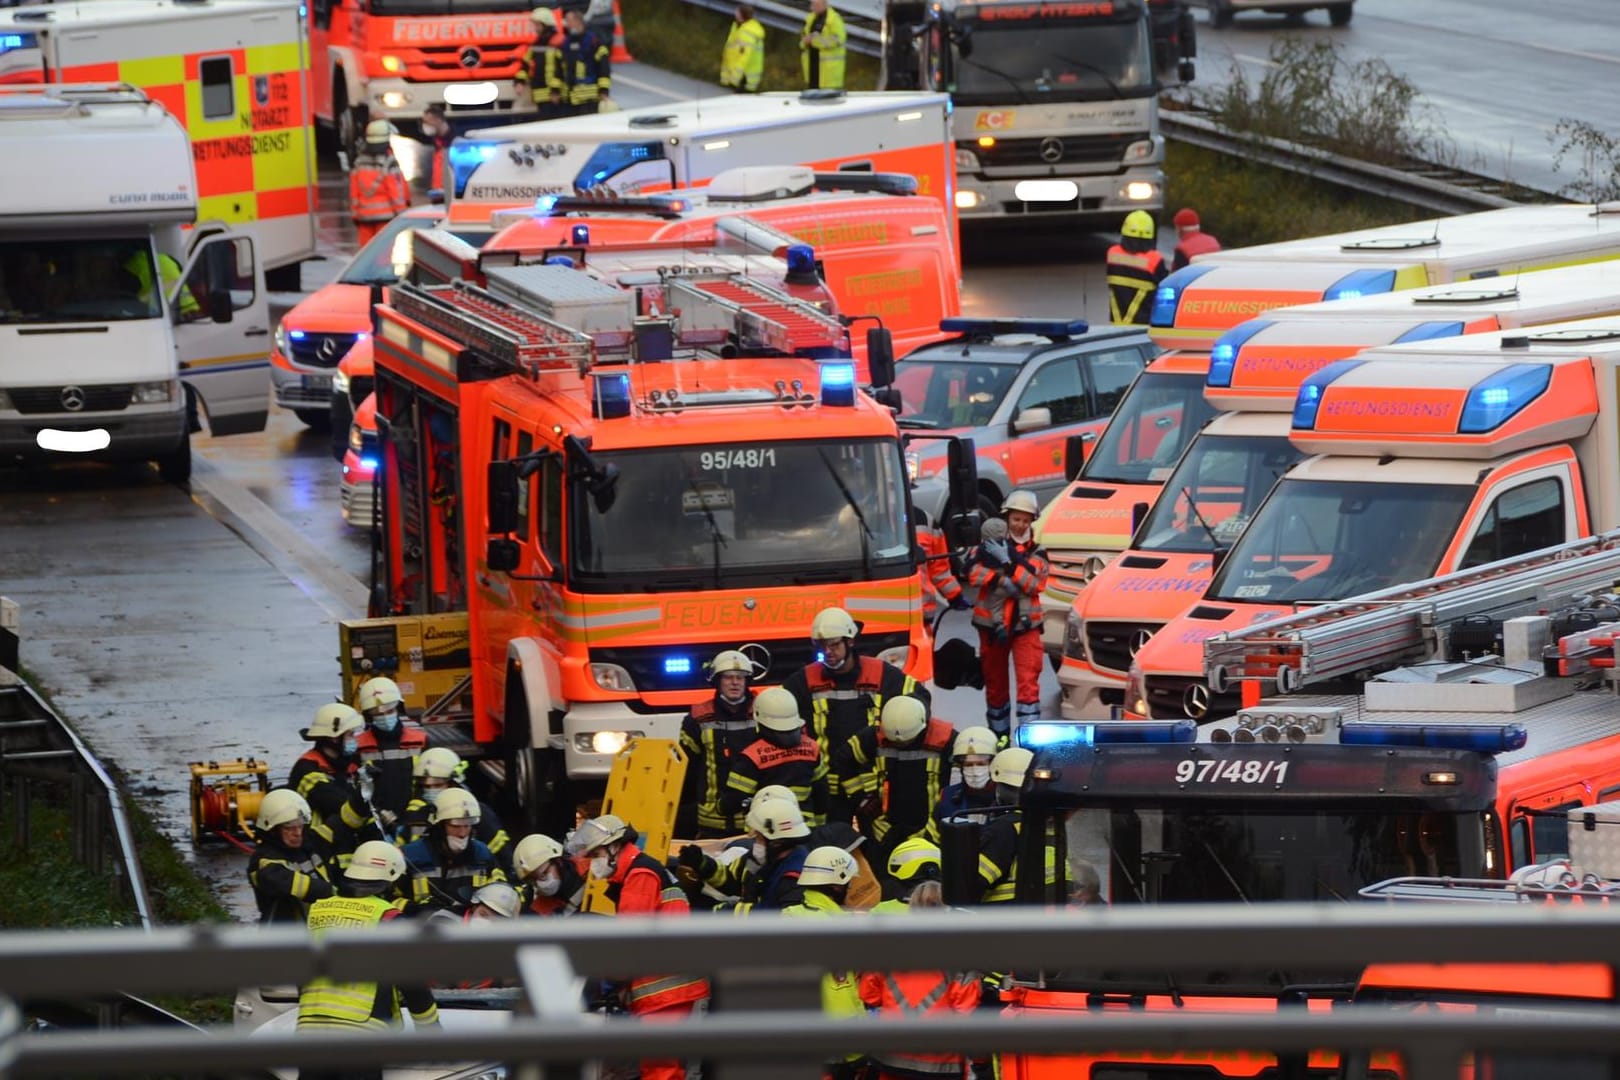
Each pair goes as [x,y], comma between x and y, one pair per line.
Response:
[255,331]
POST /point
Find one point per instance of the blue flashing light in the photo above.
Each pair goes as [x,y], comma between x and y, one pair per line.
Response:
[368,464]
[1430,330]
[296,335]
[1361,283]
[1309,398]
[677,665]
[837,383]
[610,159]
[1486,738]
[545,204]
[1043,733]
[465,157]
[1050,328]
[1168,295]
[1223,357]
[1501,395]
[801,259]
[8,42]
[560,260]
[612,393]
[580,235]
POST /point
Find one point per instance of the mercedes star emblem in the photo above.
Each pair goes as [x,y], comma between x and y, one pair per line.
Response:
[1051,149]
[470,57]
[750,604]
[328,350]
[1195,703]
[1139,639]
[72,398]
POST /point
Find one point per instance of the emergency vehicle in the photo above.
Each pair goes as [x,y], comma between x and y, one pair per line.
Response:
[1089,523]
[1429,457]
[1221,12]
[587,491]
[1256,370]
[391,59]
[120,327]
[232,74]
[1056,103]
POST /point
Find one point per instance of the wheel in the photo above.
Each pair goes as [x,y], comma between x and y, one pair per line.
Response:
[989,504]
[536,779]
[175,466]
[339,416]
[315,419]
[346,119]
[1220,14]
[1339,14]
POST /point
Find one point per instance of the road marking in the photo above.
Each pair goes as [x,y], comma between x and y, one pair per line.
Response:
[650,88]
[1257,61]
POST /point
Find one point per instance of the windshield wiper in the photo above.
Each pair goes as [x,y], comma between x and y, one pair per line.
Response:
[914,421]
[714,526]
[866,532]
[1192,505]
[1099,72]
[1023,95]
[1227,874]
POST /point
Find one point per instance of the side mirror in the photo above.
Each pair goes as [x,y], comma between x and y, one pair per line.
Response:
[1186,71]
[219,306]
[962,469]
[1217,558]
[1074,453]
[889,397]
[1035,419]
[503,498]
[880,355]
[962,530]
[501,556]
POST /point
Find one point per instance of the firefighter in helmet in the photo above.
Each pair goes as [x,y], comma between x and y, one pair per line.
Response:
[291,865]
[550,883]
[781,753]
[437,770]
[898,771]
[973,750]
[328,774]
[713,733]
[388,746]
[448,864]
[1134,269]
[1009,575]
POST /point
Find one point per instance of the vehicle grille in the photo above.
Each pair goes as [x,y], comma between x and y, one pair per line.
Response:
[1071,150]
[646,663]
[34,400]
[447,58]
[1108,644]
[320,350]
[1167,699]
[360,387]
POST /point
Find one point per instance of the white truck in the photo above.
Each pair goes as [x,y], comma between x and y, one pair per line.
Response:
[120,328]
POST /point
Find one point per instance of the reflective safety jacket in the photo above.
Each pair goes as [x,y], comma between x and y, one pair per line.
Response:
[323,1003]
[836,705]
[329,788]
[377,188]
[801,768]
[712,734]
[579,70]
[940,586]
[641,885]
[821,62]
[1009,596]
[840,990]
[392,757]
[913,993]
[772,887]
[1132,278]
[286,881]
[909,778]
[444,880]
[742,62]
[998,858]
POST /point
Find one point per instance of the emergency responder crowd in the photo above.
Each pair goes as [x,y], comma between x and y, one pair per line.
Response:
[830,793]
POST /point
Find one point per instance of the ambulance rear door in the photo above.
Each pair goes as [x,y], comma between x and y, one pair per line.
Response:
[222,330]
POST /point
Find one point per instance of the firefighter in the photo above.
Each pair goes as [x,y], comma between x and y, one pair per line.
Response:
[913,864]
[742,62]
[843,692]
[378,192]
[909,993]
[997,878]
[1002,571]
[783,753]
[436,129]
[821,48]
[974,748]
[1191,239]
[531,72]
[898,771]
[290,866]
[547,878]
[638,884]
[437,770]
[826,879]
[767,877]
[388,747]
[448,864]
[941,587]
[1134,268]
[370,1006]
[327,775]
[578,69]
[713,733]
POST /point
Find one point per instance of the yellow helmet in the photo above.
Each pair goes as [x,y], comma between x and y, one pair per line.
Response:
[903,719]
[1009,766]
[333,722]
[913,858]
[375,860]
[1139,224]
[975,740]
[533,852]
[777,709]
[282,806]
[833,623]
[377,695]
[438,762]
[455,805]
[829,866]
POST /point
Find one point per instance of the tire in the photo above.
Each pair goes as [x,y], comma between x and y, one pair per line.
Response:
[315,419]
[536,780]
[1339,14]
[346,121]
[175,466]
[989,504]
[1220,15]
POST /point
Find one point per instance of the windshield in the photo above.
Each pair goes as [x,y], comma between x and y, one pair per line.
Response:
[1153,424]
[1184,854]
[950,394]
[388,255]
[746,514]
[449,7]
[1333,539]
[78,280]
[1212,493]
[1034,61]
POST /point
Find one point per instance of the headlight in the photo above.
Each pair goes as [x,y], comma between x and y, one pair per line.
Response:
[603,742]
[1135,694]
[913,466]
[357,438]
[967,200]
[340,383]
[1074,637]
[613,677]
[966,159]
[392,64]
[281,338]
[1141,150]
[152,393]
[394,99]
[899,656]
[1139,191]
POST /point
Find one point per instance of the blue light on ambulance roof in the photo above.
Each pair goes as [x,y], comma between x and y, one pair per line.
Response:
[544,203]
[1430,330]
[837,384]
[1309,398]
[1042,733]
[1361,283]
[1167,297]
[612,394]
[677,665]
[465,157]
[1486,738]
[1223,357]
[1501,395]
[1051,328]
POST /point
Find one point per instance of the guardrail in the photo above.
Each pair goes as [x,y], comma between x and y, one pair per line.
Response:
[766,974]
[862,19]
[38,750]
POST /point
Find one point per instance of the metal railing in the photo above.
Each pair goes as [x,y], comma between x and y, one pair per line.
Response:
[862,19]
[766,971]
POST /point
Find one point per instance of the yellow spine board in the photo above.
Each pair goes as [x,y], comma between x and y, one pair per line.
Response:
[644,789]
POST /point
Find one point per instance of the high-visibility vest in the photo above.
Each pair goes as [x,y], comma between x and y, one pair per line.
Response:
[912,993]
[711,737]
[328,1004]
[1132,278]
[394,764]
[652,993]
[742,62]
[1024,576]
[377,188]
[828,45]
[801,768]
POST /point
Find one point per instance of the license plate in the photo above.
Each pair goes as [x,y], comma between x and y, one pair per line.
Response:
[322,383]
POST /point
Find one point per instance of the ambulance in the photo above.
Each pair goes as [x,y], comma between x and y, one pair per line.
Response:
[1425,458]
[1091,522]
[231,72]
[123,321]
[1256,370]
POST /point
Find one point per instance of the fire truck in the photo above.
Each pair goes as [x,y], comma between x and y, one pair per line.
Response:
[1256,370]
[589,490]
[1424,458]
[1056,103]
[391,59]
[1092,520]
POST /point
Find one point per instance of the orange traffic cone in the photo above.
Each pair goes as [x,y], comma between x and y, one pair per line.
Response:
[621,52]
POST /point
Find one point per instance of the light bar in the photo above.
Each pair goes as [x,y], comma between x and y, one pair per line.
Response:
[1500,396]
[1056,329]
[1430,330]
[1167,297]
[611,394]
[1223,357]
[838,383]
[1361,283]
[465,157]
[1486,738]
[677,665]
[1309,398]
[1043,733]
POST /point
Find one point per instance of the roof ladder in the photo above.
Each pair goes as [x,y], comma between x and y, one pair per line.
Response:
[758,316]
[519,339]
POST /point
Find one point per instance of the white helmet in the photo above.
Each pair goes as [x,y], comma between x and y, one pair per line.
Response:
[832,623]
[438,763]
[375,860]
[379,131]
[1009,766]
[975,740]
[283,806]
[455,805]
[1021,500]
[333,722]
[776,819]
[596,833]
[829,866]
[730,660]
[776,791]
[777,710]
[903,719]
[378,695]
[533,852]
[500,898]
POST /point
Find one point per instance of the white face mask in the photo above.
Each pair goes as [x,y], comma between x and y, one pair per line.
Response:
[976,776]
[456,844]
[432,794]
[601,867]
[548,883]
[386,724]
[758,851]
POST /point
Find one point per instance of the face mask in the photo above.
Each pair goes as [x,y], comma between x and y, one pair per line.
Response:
[758,851]
[601,867]
[386,724]
[976,776]
[351,746]
[549,883]
[432,794]
[456,844]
